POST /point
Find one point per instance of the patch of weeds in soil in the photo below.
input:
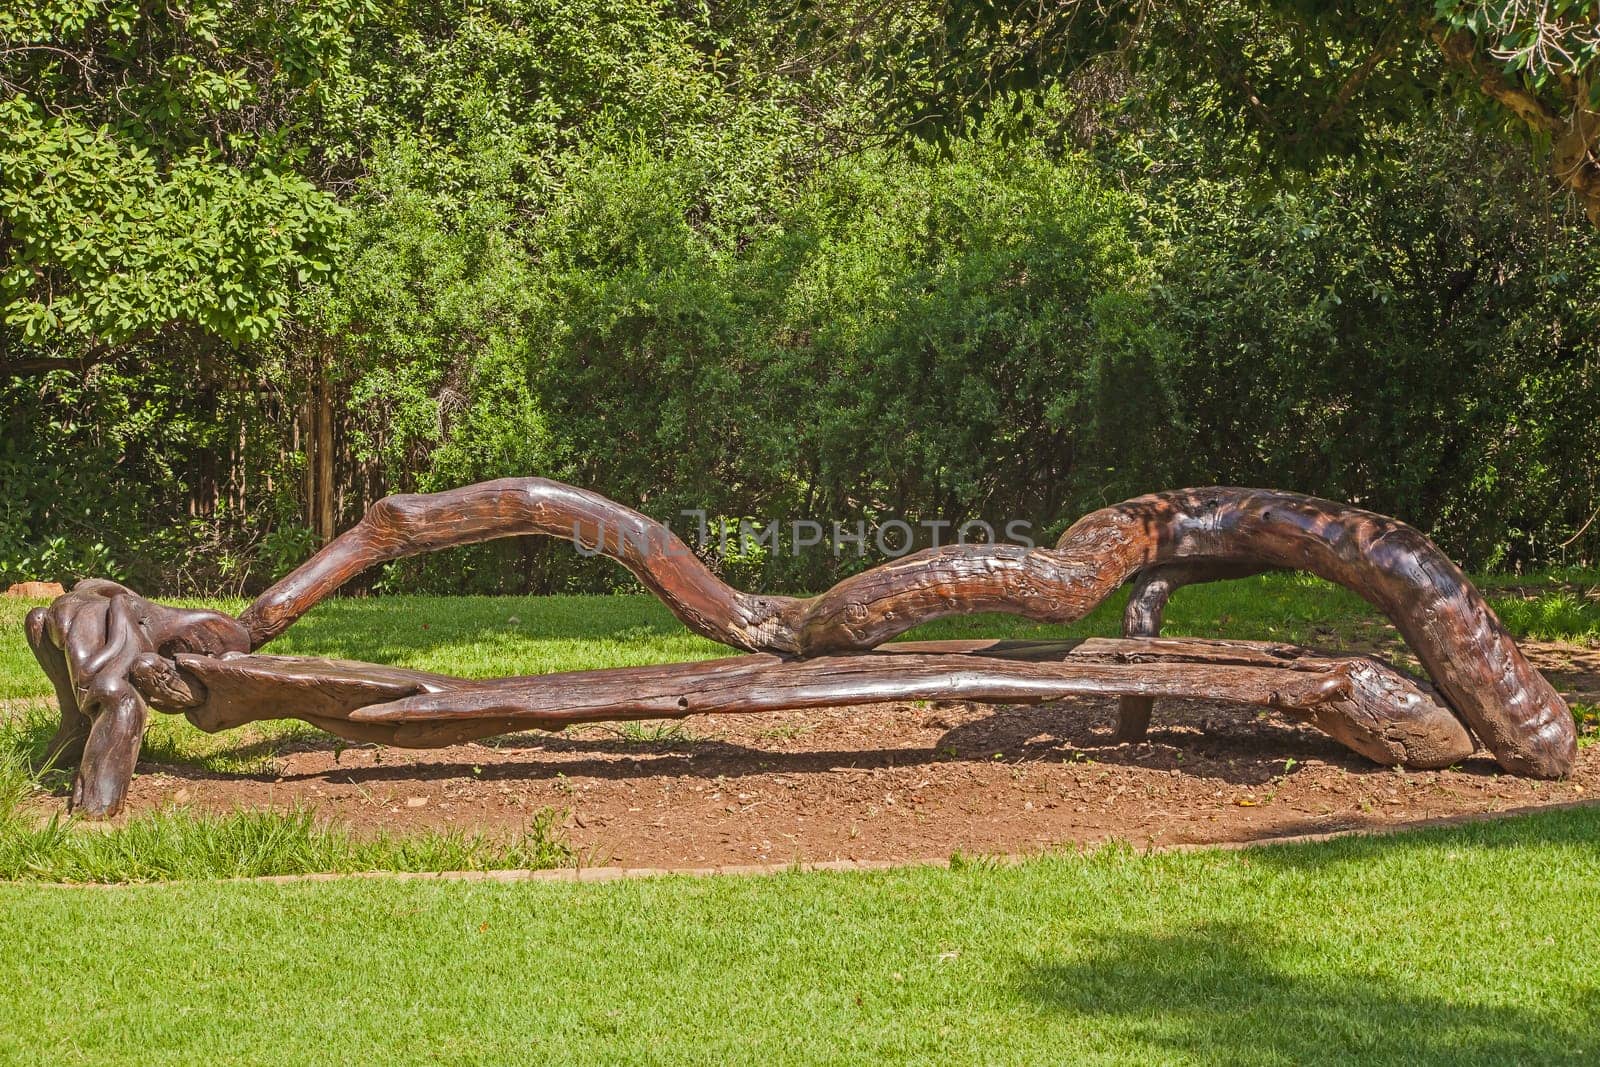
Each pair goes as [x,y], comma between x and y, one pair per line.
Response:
[661,732]
[1563,615]
[975,861]
[785,733]
[1588,716]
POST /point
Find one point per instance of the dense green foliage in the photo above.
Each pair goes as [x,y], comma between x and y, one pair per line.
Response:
[1286,82]
[150,165]
[676,255]
[899,338]
[1381,337]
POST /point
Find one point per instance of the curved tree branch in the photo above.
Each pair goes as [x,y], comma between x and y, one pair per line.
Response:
[1472,659]
[107,649]
[411,524]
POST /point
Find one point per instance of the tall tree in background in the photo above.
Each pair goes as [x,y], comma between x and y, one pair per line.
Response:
[1297,80]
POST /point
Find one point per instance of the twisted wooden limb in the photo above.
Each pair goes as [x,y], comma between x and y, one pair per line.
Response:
[1474,663]
[1141,618]
[88,642]
[65,748]
[1472,660]
[1147,602]
[94,639]
[408,525]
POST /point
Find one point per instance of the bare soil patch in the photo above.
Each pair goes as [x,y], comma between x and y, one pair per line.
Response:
[889,781]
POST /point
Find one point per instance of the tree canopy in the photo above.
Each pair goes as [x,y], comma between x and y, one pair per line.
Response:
[264,261]
[1293,80]
[154,170]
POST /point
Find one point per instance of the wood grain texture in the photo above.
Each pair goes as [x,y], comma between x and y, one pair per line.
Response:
[110,653]
[408,525]
[1472,660]
[1362,702]
[87,643]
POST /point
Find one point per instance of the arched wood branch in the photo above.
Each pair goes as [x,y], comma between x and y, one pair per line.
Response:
[411,524]
[110,653]
[1472,660]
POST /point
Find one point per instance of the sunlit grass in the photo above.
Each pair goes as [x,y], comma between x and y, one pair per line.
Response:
[1560,616]
[1588,716]
[1348,951]
[179,843]
[176,842]
[1463,946]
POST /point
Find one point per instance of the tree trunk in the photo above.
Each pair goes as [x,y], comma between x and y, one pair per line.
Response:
[1361,702]
[317,438]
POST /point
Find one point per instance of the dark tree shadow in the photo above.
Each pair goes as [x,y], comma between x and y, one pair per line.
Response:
[704,759]
[1228,994]
[1574,825]
[1240,751]
[1235,743]
[1231,743]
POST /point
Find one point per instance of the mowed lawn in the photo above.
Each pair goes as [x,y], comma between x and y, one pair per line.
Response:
[1469,945]
[1474,944]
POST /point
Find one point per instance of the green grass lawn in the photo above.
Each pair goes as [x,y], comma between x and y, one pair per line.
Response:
[1465,945]
[1469,945]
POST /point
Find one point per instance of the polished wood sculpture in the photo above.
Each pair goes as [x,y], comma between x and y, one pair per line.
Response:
[113,655]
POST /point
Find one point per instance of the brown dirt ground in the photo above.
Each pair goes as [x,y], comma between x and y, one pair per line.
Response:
[891,782]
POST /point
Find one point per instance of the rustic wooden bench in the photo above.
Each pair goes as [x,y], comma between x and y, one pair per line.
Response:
[114,655]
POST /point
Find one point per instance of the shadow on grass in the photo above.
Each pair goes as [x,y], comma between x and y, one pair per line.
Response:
[1227,994]
[27,735]
[255,757]
[1573,825]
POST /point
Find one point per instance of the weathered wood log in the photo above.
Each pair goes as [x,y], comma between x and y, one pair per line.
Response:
[93,640]
[1360,701]
[1472,660]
